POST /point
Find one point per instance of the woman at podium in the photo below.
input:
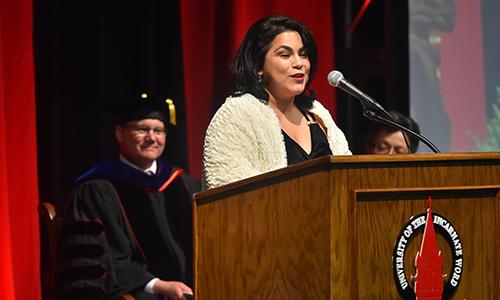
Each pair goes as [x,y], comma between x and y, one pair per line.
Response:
[269,121]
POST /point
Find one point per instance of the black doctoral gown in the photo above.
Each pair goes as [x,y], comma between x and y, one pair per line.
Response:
[123,228]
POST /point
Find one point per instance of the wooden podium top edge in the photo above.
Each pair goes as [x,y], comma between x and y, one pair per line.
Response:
[328,162]
[415,157]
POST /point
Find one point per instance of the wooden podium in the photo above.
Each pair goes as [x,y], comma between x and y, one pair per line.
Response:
[326,229]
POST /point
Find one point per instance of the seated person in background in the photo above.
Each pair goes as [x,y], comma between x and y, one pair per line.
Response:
[269,121]
[128,225]
[385,139]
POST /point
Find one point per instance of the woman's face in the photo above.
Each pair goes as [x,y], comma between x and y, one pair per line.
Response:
[286,66]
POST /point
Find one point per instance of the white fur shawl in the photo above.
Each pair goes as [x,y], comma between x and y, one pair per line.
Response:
[244,139]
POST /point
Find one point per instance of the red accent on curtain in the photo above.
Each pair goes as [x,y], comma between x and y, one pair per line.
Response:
[19,235]
[203,21]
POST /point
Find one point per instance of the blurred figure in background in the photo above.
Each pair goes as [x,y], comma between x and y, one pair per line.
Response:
[384,139]
[428,19]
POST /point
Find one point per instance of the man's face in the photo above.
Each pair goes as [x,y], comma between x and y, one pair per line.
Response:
[142,141]
[388,143]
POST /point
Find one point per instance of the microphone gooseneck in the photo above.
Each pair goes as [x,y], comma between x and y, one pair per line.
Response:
[372,109]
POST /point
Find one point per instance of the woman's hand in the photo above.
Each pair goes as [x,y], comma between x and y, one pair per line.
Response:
[172,289]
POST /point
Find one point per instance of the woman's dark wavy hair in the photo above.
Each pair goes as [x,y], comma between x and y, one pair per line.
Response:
[253,50]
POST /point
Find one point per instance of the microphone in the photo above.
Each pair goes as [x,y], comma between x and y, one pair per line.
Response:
[372,108]
[336,79]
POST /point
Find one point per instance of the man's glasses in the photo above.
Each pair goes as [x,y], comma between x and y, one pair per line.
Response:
[384,148]
[145,130]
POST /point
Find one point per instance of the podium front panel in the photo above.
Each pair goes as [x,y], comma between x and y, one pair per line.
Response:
[326,229]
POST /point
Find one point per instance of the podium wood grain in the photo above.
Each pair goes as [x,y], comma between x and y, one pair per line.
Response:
[325,229]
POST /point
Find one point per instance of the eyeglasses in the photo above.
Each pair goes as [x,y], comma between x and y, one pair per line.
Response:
[145,130]
[385,148]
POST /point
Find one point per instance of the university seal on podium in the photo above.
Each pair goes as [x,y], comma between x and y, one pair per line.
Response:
[426,280]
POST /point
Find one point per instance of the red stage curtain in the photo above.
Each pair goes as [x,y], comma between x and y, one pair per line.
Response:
[211,33]
[19,235]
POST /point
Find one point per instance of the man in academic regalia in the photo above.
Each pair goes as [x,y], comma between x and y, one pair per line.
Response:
[128,223]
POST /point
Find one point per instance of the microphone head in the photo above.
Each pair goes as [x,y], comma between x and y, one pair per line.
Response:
[334,78]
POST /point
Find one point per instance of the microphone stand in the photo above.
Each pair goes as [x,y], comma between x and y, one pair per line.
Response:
[374,116]
[372,110]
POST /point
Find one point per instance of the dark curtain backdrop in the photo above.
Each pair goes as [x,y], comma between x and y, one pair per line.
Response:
[19,237]
[90,51]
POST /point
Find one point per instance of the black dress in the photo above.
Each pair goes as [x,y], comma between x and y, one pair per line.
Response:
[320,147]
